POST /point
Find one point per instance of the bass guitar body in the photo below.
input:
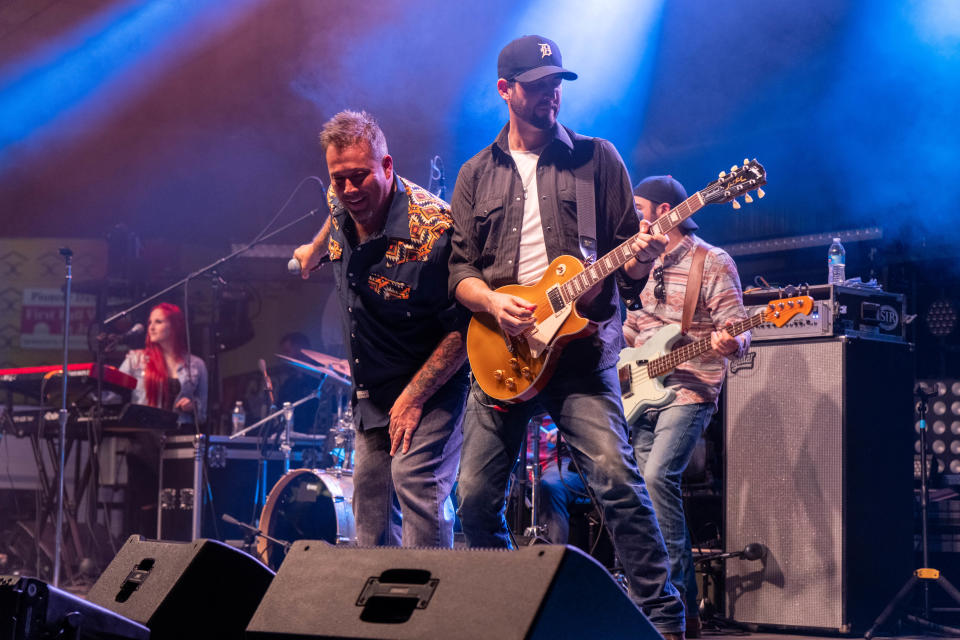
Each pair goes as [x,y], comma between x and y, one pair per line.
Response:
[639,390]
[515,368]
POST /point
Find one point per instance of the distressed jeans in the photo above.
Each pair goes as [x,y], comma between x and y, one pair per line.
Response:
[663,441]
[406,498]
[588,413]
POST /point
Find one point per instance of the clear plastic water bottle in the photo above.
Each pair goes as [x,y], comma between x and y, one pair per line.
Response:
[239,417]
[836,263]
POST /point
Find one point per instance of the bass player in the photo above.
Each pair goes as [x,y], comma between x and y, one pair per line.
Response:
[664,437]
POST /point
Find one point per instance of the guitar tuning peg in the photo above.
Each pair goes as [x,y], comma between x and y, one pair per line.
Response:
[736,205]
[760,193]
[746,161]
[734,168]
[722,173]
[747,198]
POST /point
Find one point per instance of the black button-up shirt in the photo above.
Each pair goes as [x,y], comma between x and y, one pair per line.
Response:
[487,208]
[393,296]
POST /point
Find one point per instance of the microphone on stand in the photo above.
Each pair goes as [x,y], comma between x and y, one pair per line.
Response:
[229,519]
[112,339]
[753,551]
[269,383]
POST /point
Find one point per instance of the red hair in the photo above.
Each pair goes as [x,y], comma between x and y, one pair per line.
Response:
[155,368]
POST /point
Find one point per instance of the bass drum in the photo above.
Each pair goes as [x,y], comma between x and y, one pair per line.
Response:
[307,504]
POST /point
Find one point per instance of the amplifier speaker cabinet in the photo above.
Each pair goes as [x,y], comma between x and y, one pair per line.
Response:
[534,593]
[819,470]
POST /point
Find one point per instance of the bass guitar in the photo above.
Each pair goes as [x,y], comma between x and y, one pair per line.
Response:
[642,369]
[515,368]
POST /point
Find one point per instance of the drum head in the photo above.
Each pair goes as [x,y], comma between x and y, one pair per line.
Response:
[306,504]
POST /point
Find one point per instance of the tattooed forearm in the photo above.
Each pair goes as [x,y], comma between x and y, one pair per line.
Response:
[445,360]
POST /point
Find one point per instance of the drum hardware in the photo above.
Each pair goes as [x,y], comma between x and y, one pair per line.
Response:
[305,503]
[285,410]
[308,504]
[536,532]
[341,439]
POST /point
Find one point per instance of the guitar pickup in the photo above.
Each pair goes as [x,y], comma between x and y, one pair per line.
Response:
[555,298]
[623,373]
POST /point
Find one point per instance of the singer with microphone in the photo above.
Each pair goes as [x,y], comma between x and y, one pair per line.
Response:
[388,243]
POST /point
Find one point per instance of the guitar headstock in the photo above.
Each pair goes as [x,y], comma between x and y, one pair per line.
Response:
[779,312]
[739,182]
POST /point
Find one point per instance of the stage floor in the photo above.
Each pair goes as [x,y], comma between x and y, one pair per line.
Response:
[767,635]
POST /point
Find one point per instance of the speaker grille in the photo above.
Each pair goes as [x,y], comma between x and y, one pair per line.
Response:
[785,443]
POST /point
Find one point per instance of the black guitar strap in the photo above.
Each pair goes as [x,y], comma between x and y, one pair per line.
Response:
[587,205]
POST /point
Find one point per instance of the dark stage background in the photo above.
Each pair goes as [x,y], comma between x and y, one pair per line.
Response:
[191,122]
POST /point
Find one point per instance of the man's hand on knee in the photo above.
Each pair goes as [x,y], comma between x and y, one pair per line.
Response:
[404,419]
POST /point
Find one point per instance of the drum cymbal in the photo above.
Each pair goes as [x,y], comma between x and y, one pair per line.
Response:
[339,365]
[316,370]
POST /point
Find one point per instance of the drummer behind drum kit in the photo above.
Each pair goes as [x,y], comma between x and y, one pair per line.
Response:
[306,503]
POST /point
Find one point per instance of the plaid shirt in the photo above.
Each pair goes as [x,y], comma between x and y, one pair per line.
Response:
[720,299]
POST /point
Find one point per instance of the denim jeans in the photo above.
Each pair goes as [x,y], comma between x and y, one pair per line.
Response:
[587,411]
[559,489]
[663,441]
[406,499]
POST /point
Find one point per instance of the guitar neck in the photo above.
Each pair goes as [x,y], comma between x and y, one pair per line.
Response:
[669,362]
[596,272]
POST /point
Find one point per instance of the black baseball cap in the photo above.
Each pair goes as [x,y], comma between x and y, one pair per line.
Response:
[664,189]
[529,58]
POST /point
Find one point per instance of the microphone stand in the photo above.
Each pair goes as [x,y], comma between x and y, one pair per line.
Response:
[201,271]
[923,576]
[58,535]
[279,411]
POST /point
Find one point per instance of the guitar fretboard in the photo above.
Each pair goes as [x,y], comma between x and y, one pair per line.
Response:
[665,364]
[596,272]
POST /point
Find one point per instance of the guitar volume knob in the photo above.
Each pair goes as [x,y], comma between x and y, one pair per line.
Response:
[498,375]
[511,384]
[514,363]
[525,372]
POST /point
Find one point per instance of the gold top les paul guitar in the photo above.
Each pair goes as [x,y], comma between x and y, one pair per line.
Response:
[642,369]
[515,368]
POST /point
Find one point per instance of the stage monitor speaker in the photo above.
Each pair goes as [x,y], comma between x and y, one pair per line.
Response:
[819,470]
[181,590]
[540,592]
[30,609]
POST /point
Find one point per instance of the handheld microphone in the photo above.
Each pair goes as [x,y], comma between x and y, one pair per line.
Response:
[294,268]
[269,383]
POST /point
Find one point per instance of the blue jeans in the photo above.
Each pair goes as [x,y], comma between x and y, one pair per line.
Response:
[663,441]
[587,411]
[406,498]
[559,491]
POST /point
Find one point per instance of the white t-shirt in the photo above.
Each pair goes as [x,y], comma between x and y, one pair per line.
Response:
[532,261]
